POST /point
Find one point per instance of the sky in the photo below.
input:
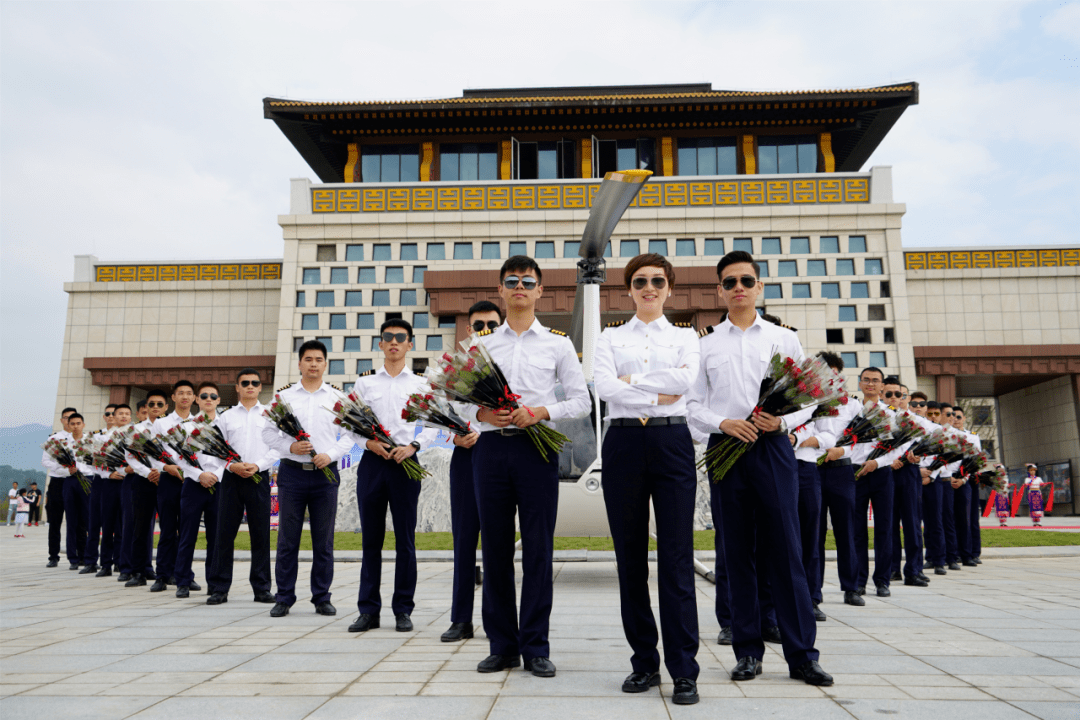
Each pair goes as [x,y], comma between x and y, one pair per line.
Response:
[134,130]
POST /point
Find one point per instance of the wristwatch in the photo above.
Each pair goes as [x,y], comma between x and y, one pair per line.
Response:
[415,444]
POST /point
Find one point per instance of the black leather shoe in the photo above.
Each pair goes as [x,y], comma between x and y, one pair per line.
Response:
[325,608]
[954,565]
[639,682]
[811,674]
[73,566]
[685,692]
[915,582]
[364,622]
[279,610]
[861,590]
[150,575]
[970,563]
[883,591]
[771,635]
[183,592]
[978,560]
[940,570]
[104,572]
[87,569]
[747,668]
[495,663]
[221,598]
[458,631]
[159,585]
[853,598]
[123,577]
[402,622]
[136,581]
[540,667]
[726,637]
[170,581]
[52,563]
[194,586]
[922,576]
[263,597]
[818,614]
[896,576]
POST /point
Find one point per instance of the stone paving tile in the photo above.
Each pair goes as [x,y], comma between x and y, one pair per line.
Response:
[1049,710]
[584,708]
[383,689]
[404,708]
[238,708]
[934,710]
[75,708]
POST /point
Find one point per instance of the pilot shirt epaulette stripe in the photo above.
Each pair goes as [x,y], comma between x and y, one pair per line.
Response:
[284,387]
[777,321]
[706,331]
[367,372]
[892,408]
[557,332]
[615,323]
[335,387]
[486,331]
[684,325]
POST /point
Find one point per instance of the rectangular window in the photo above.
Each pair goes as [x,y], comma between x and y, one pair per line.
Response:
[571,248]
[629,154]
[770,246]
[834,337]
[875,312]
[788,268]
[375,343]
[787,154]
[685,248]
[764,265]
[296,343]
[519,248]
[872,267]
[629,248]
[408,297]
[354,253]
[856,244]
[744,245]
[829,244]
[347,387]
[363,365]
[420,320]
[326,253]
[337,321]
[490,251]
[850,359]
[714,246]
[658,246]
[436,251]
[800,290]
[328,342]
[773,292]
[390,163]
[380,253]
[547,160]
[545,250]
[468,161]
[859,290]
[309,322]
[707,156]
[365,275]
[408,251]
[463,251]
[339,276]
[862,335]
[830,291]
[434,342]
[815,268]
[845,267]
[395,275]
[877,359]
[447,321]
[800,246]
[365,321]
[418,273]
[890,335]
[312,276]
[380,298]
[324,298]
[884,291]
[352,344]
[301,300]
[846,313]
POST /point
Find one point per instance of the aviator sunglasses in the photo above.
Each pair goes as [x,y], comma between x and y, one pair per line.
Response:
[511,281]
[897,395]
[250,383]
[395,337]
[748,281]
[918,403]
[208,396]
[480,325]
[658,281]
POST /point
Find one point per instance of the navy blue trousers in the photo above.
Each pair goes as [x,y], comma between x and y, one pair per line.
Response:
[761,491]
[380,484]
[54,513]
[838,498]
[238,495]
[169,490]
[465,523]
[93,528]
[510,475]
[301,491]
[907,485]
[657,463]
[977,505]
[111,522]
[933,529]
[876,488]
[810,525]
[77,510]
[962,520]
[144,495]
[948,521]
[196,503]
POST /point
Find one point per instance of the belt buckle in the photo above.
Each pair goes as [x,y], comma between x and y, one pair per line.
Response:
[308,466]
[644,421]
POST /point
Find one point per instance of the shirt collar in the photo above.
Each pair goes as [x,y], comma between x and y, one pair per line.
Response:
[536,327]
[661,323]
[404,371]
[758,323]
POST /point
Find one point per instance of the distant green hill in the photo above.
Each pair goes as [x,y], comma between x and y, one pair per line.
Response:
[20,447]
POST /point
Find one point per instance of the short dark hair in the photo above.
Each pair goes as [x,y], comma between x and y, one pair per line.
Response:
[734,257]
[141,404]
[904,386]
[958,409]
[933,405]
[945,405]
[311,345]
[396,323]
[121,406]
[521,263]
[182,383]
[832,360]
[72,416]
[648,260]
[158,393]
[248,371]
[33,484]
[206,384]
[873,369]
[485,306]
[68,409]
[891,380]
[920,394]
[110,405]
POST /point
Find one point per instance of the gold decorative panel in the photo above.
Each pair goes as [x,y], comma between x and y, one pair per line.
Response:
[915,261]
[573,197]
[186,273]
[423,199]
[523,197]
[727,193]
[549,197]
[856,190]
[829,191]
[752,193]
[982,259]
[805,191]
[976,259]
[472,198]
[498,198]
[778,192]
[938,260]
[1027,258]
[397,199]
[674,194]
[323,200]
[701,193]
[375,200]
[348,201]
[1070,257]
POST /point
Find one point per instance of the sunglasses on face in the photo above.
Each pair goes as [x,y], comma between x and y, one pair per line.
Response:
[155,404]
[897,395]
[918,404]
[250,383]
[108,414]
[395,337]
[658,281]
[480,325]
[208,396]
[948,414]
[748,281]
[510,282]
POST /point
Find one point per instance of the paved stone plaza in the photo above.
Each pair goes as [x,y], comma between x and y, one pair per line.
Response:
[998,641]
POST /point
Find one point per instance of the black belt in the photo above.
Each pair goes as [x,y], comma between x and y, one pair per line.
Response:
[836,463]
[509,431]
[305,465]
[647,422]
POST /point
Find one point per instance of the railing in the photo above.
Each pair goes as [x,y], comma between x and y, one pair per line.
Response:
[176,272]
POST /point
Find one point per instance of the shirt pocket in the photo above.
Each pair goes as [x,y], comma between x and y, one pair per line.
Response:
[628,359]
[664,356]
[540,371]
[720,370]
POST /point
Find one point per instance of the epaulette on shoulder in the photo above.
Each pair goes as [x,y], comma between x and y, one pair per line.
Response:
[367,372]
[892,408]
[557,332]
[615,323]
[486,331]
[336,387]
[706,331]
[684,325]
[777,321]
[284,387]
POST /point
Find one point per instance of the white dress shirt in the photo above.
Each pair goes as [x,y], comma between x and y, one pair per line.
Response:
[317,422]
[860,452]
[53,468]
[243,430]
[136,464]
[161,427]
[659,358]
[533,363]
[827,430]
[386,394]
[733,364]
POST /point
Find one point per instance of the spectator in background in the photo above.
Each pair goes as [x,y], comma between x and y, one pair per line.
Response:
[34,496]
[13,497]
[23,508]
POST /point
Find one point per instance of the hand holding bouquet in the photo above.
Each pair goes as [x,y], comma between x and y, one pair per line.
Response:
[281,414]
[176,438]
[354,415]
[111,455]
[434,412]
[903,429]
[952,449]
[206,438]
[62,455]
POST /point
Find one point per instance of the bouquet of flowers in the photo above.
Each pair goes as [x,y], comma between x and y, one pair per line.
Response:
[470,375]
[954,448]
[904,428]
[994,478]
[206,438]
[354,415]
[281,414]
[63,455]
[84,450]
[175,439]
[110,454]
[975,462]
[822,411]
[871,423]
[434,412]
[126,438]
[788,386]
[151,445]
[931,444]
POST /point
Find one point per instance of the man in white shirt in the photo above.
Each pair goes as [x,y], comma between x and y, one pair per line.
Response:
[54,493]
[13,497]
[93,533]
[242,427]
[302,485]
[112,484]
[965,494]
[76,499]
[510,474]
[144,479]
[945,475]
[907,500]
[762,486]
[381,482]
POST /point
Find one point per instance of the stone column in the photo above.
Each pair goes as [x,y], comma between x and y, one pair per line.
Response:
[120,394]
[946,388]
